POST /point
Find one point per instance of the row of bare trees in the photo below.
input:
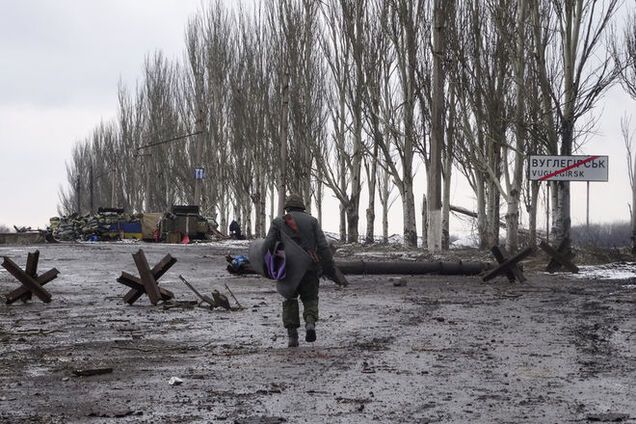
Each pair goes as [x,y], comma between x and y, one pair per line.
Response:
[347,97]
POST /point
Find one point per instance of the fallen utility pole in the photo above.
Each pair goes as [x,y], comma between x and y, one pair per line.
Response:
[413,268]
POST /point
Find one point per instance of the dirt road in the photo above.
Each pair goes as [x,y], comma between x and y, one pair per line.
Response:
[437,349]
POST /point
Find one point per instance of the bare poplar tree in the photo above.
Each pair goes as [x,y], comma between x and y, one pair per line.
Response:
[624,52]
[582,76]
[482,81]
[434,191]
[130,126]
[279,70]
[403,25]
[631,173]
[343,48]
[378,65]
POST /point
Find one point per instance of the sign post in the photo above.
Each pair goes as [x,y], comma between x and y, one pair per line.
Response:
[569,168]
[199,173]
[587,208]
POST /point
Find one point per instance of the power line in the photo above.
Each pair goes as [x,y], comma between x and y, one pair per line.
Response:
[169,140]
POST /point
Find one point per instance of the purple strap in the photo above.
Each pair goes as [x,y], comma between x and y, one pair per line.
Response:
[275,264]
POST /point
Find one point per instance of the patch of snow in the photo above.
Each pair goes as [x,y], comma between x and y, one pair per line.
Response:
[466,240]
[396,239]
[392,239]
[230,243]
[409,255]
[613,271]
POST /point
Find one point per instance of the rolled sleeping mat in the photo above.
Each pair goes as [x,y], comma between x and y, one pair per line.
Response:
[256,255]
[297,262]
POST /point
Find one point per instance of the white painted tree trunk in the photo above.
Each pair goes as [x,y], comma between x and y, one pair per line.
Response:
[514,194]
[437,132]
[633,206]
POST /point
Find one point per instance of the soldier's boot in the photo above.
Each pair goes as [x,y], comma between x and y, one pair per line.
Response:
[292,335]
[310,332]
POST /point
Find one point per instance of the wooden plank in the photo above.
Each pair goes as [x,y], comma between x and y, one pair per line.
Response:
[503,267]
[148,280]
[28,281]
[24,294]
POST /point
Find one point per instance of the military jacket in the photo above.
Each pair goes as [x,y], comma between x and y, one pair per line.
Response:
[309,235]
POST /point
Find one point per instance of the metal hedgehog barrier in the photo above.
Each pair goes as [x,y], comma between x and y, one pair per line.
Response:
[32,283]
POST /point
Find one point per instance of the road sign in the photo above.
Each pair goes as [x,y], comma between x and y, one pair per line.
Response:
[199,173]
[568,168]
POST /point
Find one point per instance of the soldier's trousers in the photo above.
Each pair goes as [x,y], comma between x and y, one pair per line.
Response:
[308,292]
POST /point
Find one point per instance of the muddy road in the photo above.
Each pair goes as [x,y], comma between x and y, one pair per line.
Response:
[434,349]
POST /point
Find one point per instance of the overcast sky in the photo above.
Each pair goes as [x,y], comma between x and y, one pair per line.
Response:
[62,60]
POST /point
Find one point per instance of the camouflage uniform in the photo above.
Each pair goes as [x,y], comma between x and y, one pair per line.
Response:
[312,239]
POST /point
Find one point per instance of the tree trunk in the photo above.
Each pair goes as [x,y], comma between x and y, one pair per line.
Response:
[318,198]
[447,172]
[384,194]
[424,222]
[633,211]
[482,221]
[372,176]
[492,214]
[408,209]
[352,222]
[342,227]
[284,123]
[532,213]
[437,132]
[514,195]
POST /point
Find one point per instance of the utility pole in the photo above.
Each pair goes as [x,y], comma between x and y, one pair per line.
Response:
[198,182]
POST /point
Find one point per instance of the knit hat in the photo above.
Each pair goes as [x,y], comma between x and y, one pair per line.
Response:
[294,201]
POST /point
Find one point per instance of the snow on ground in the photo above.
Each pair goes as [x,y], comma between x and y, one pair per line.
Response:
[611,271]
[465,240]
[229,243]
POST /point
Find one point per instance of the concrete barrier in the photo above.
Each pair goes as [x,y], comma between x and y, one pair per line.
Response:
[32,237]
